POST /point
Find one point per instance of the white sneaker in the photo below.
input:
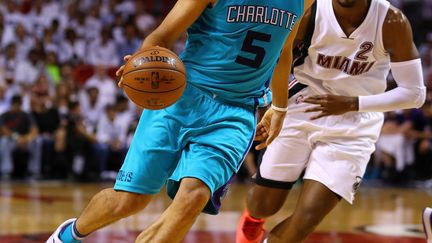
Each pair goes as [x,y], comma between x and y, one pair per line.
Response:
[427,221]
[54,238]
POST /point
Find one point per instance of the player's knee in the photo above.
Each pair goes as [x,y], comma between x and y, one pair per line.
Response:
[125,203]
[263,208]
[194,193]
[264,202]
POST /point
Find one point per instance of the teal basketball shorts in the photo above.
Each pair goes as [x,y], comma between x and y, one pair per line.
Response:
[197,137]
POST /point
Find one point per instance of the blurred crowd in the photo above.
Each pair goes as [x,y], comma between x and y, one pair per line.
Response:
[63,116]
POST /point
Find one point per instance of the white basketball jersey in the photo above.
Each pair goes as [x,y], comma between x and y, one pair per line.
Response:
[352,65]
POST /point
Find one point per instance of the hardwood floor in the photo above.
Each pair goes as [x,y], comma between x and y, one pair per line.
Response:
[30,212]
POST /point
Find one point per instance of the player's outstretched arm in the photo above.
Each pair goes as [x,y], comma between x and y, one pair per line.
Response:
[182,15]
[405,66]
[271,124]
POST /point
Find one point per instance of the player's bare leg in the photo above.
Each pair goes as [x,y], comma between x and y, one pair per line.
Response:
[179,217]
[314,203]
[109,206]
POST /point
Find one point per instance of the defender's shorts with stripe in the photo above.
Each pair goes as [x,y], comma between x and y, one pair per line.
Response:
[197,137]
[333,150]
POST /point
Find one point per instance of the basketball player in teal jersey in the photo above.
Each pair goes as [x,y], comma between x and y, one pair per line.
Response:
[197,145]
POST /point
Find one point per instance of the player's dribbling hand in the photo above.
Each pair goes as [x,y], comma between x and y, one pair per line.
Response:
[268,128]
[119,72]
[329,105]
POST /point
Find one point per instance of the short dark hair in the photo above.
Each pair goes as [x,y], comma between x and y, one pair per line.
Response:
[73,104]
[16,100]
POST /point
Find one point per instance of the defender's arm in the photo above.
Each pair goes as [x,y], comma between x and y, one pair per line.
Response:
[405,66]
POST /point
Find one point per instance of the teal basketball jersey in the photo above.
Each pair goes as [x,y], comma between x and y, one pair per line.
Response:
[232,48]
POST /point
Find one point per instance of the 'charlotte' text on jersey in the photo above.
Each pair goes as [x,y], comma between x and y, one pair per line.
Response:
[261,14]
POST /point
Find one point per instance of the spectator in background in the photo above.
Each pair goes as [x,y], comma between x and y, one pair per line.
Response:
[68,79]
[426,56]
[24,42]
[78,24]
[103,51]
[12,15]
[51,10]
[106,85]
[4,102]
[36,19]
[78,143]
[130,43]
[19,136]
[8,63]
[47,120]
[62,98]
[125,7]
[2,28]
[91,107]
[93,24]
[107,12]
[126,112]
[28,70]
[73,50]
[394,150]
[111,143]
[49,45]
[423,136]
[117,28]
[52,69]
[145,21]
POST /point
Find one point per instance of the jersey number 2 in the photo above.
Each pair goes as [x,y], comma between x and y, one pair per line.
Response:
[249,47]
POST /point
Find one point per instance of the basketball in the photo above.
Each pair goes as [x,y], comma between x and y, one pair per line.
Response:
[154,78]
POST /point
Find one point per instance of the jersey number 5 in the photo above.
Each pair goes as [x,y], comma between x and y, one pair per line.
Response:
[249,47]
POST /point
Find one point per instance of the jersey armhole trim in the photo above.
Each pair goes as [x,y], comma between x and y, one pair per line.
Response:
[214,5]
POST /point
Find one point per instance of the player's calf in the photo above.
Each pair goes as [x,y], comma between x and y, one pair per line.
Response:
[176,221]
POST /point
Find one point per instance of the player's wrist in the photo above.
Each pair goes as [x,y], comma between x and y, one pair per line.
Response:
[354,104]
[279,109]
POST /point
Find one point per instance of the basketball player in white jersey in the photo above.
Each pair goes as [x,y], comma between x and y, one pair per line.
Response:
[333,123]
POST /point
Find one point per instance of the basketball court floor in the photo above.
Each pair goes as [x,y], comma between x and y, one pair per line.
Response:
[29,212]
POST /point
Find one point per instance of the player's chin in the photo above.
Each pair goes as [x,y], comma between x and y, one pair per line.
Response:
[347,3]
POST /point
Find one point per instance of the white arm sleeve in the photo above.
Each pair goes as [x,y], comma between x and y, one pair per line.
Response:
[410,93]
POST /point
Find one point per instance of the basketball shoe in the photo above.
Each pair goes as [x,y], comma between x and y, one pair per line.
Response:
[54,238]
[427,221]
[249,230]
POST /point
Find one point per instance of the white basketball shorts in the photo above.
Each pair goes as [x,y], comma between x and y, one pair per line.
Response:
[333,150]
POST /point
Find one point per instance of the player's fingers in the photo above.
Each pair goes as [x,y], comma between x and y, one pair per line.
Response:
[315,109]
[127,57]
[120,83]
[119,72]
[261,146]
[272,135]
[312,100]
[261,136]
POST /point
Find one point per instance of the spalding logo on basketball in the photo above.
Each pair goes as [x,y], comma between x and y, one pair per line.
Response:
[154,78]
